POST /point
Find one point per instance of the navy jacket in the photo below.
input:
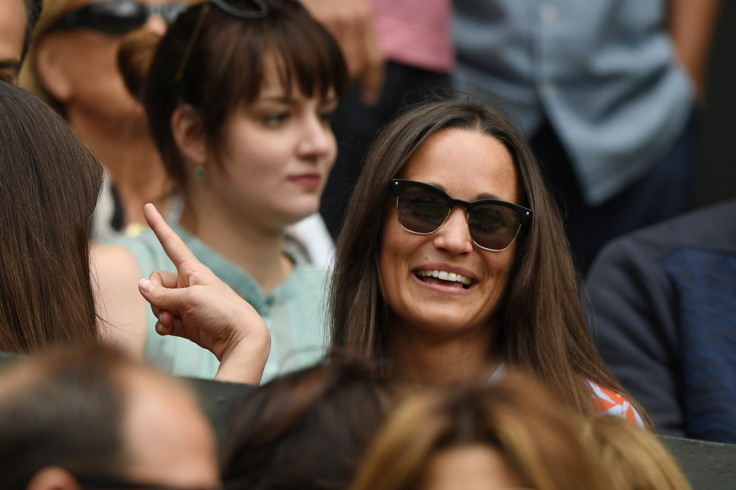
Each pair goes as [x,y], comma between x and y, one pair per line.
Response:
[664,320]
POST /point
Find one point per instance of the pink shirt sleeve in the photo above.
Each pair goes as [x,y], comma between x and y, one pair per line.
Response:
[416,32]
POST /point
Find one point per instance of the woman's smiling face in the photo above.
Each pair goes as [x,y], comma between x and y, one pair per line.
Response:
[467,165]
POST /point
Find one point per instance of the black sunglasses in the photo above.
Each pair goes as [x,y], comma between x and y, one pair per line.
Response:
[116,17]
[423,209]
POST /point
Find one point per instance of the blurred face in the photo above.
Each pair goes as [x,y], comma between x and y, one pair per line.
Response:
[79,68]
[168,440]
[276,156]
[13,21]
[442,285]
[474,467]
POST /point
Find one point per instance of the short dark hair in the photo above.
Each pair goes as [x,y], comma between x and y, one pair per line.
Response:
[62,408]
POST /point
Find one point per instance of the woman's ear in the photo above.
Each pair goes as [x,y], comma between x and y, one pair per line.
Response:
[53,478]
[52,71]
[186,126]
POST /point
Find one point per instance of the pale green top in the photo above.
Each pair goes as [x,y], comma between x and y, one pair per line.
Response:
[294,311]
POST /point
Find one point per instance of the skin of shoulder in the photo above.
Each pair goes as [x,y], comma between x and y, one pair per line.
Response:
[120,306]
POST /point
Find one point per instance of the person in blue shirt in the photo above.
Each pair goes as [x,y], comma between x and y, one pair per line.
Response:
[605,92]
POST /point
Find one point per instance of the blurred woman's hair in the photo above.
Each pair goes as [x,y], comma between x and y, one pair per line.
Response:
[49,185]
[539,440]
[307,429]
[638,459]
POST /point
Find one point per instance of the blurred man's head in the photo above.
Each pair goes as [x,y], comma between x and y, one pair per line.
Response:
[90,417]
[17,20]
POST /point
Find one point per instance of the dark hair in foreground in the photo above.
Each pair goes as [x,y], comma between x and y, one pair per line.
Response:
[537,437]
[62,408]
[226,67]
[540,325]
[49,183]
[307,429]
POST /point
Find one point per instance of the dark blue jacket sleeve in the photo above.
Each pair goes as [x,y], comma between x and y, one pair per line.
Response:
[635,328]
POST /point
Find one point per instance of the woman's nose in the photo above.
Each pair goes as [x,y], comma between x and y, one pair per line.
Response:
[157,24]
[317,138]
[454,235]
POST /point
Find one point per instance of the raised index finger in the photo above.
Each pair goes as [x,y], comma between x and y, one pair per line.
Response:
[173,245]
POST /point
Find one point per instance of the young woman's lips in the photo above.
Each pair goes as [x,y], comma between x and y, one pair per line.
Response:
[310,182]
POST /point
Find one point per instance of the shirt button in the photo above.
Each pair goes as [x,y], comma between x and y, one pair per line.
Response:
[548,13]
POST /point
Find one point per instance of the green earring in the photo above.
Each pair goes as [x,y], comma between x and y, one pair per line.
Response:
[199,172]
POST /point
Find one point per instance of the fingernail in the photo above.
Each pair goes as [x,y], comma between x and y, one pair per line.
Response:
[145,285]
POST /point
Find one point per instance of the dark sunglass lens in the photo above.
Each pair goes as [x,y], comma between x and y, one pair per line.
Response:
[170,11]
[244,9]
[493,226]
[422,210]
[116,17]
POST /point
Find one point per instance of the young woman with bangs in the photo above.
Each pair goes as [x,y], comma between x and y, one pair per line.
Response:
[239,96]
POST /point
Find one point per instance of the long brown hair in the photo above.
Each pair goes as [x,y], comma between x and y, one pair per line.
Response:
[540,325]
[49,183]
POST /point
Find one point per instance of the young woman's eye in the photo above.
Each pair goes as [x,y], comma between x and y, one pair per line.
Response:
[275,118]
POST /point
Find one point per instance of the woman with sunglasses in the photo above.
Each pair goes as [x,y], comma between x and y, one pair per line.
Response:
[72,65]
[453,260]
[238,95]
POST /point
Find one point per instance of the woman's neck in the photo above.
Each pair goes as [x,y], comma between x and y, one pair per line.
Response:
[417,355]
[256,249]
[129,155]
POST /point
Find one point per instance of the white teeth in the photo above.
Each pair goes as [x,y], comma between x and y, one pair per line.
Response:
[446,276]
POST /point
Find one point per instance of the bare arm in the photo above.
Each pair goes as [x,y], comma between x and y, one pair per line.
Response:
[692,24]
[122,311]
[353,25]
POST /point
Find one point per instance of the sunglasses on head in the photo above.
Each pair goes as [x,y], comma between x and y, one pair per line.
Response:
[242,9]
[423,209]
[116,17]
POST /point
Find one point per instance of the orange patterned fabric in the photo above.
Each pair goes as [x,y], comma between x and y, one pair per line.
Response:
[606,401]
